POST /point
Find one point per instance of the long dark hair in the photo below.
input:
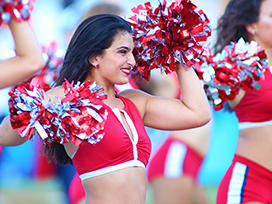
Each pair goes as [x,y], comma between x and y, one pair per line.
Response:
[91,38]
[232,24]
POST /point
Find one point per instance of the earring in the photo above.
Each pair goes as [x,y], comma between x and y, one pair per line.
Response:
[255,32]
[96,65]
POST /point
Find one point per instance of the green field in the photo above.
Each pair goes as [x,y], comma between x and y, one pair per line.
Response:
[51,192]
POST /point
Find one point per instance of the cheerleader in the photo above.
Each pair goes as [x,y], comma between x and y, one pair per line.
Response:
[249,178]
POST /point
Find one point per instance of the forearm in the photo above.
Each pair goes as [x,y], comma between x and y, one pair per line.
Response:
[28,58]
[25,41]
[8,136]
[192,93]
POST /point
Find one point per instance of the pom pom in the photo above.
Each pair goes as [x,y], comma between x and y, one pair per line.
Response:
[240,65]
[166,35]
[78,117]
[17,9]
[48,75]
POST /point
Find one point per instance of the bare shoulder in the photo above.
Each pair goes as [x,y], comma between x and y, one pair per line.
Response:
[54,94]
[138,97]
[134,95]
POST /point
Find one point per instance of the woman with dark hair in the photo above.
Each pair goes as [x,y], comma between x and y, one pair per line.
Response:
[113,169]
[249,178]
[233,24]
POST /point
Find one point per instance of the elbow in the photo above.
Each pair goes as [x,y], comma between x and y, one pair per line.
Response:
[37,64]
[33,63]
[205,117]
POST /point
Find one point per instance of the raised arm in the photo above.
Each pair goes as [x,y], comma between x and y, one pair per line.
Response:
[193,110]
[28,59]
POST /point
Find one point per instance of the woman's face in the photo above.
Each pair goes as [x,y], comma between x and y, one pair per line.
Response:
[264,25]
[117,61]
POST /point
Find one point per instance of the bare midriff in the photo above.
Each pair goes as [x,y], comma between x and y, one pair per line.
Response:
[119,187]
[256,144]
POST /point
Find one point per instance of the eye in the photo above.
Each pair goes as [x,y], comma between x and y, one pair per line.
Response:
[123,51]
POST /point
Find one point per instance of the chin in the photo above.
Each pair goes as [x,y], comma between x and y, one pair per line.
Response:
[123,82]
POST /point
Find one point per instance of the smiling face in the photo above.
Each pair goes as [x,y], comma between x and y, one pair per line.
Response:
[116,62]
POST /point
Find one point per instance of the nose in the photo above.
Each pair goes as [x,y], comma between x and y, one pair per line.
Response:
[131,60]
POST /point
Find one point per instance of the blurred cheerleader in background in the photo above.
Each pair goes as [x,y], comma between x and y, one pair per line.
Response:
[237,75]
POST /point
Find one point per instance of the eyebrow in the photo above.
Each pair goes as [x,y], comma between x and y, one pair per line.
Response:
[123,47]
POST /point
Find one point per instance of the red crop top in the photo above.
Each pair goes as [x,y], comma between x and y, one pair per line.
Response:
[256,106]
[117,149]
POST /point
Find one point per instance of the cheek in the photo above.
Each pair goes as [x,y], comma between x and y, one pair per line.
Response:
[266,24]
[119,62]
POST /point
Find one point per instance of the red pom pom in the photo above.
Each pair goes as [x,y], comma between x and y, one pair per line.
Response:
[239,66]
[78,117]
[166,35]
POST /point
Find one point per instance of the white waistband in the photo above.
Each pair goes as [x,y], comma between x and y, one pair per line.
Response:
[109,169]
[245,125]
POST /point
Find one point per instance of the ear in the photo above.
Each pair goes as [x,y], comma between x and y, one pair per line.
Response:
[252,29]
[94,60]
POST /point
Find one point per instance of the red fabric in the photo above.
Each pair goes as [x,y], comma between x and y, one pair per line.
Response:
[255,106]
[257,183]
[76,191]
[116,146]
[190,166]
[43,169]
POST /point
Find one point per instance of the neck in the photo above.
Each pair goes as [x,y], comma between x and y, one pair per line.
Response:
[112,101]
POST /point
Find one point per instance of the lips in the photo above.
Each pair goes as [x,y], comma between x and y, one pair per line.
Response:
[126,70]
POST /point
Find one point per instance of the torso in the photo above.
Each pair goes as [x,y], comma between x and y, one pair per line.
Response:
[116,174]
[255,144]
[254,112]
[120,187]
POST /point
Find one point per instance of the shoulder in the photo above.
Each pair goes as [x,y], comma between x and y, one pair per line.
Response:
[138,97]
[134,94]
[54,94]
